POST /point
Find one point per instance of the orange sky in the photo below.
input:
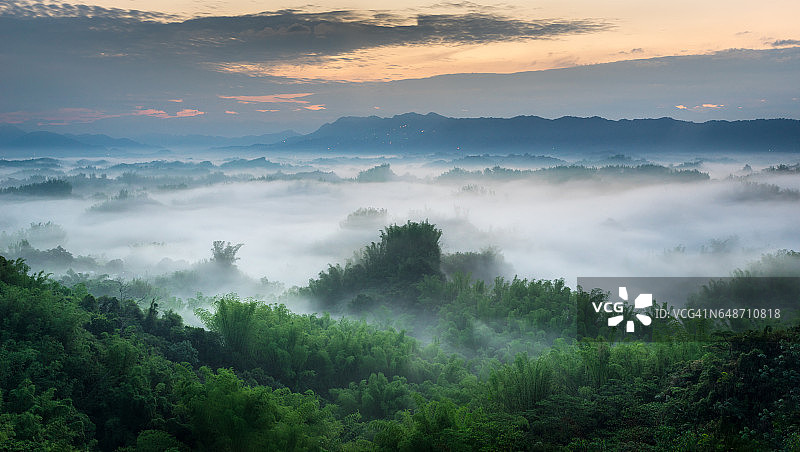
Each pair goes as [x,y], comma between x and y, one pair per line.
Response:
[637,30]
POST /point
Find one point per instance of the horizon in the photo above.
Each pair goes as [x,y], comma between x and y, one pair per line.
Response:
[179,135]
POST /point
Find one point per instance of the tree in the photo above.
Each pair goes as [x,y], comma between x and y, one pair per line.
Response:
[520,385]
[407,252]
[224,254]
[404,256]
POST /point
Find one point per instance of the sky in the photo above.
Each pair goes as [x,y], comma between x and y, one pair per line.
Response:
[225,67]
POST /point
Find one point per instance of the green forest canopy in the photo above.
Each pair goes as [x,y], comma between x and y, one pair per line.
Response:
[79,372]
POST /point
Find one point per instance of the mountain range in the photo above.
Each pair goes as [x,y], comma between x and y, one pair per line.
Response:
[413,132]
[417,133]
[16,142]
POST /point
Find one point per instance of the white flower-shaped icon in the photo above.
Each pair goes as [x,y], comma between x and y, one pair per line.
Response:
[644,300]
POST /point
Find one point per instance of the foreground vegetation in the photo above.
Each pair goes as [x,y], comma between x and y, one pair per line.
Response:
[501,371]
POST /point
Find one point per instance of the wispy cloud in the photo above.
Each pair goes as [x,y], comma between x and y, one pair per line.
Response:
[65,116]
[700,107]
[152,112]
[61,116]
[188,113]
[15,117]
[33,9]
[271,98]
[231,112]
[292,98]
[785,43]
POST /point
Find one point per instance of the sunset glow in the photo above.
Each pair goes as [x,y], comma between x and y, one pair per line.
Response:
[635,30]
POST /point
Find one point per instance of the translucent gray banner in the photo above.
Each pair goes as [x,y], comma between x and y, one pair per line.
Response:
[683,308]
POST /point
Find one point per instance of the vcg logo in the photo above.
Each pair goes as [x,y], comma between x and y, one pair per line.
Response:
[643,301]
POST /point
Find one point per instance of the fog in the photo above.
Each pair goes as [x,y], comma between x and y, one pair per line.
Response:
[292,229]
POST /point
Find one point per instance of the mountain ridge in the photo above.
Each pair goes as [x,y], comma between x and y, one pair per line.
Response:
[433,132]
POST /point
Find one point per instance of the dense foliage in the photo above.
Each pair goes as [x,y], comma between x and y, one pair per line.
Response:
[498,369]
[404,255]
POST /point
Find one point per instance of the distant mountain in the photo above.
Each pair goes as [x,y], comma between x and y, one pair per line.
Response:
[15,142]
[413,132]
[45,140]
[208,141]
[9,133]
[108,142]
[41,143]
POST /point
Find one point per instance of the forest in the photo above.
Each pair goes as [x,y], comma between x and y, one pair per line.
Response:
[445,226]
[393,303]
[479,365]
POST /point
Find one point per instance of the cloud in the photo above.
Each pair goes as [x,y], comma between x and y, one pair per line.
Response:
[15,117]
[785,43]
[315,107]
[66,116]
[187,113]
[701,107]
[267,111]
[61,116]
[158,57]
[229,112]
[270,98]
[32,9]
[175,100]
[154,113]
[484,28]
[270,36]
[151,112]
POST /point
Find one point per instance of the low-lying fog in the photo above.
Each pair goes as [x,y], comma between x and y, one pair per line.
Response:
[168,217]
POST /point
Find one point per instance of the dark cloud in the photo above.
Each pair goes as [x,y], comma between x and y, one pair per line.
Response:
[93,31]
[290,34]
[481,28]
[785,43]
